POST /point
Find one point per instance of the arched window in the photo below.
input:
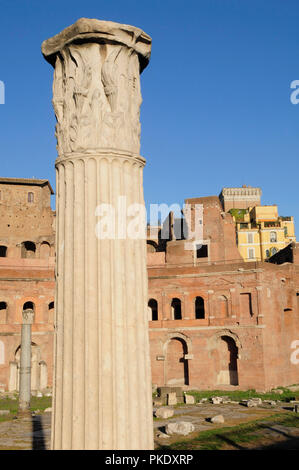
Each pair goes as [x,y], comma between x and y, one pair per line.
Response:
[199,308]
[28,250]
[223,306]
[153,307]
[176,307]
[28,306]
[151,246]
[30,197]
[3,313]
[51,312]
[45,250]
[3,251]
[273,237]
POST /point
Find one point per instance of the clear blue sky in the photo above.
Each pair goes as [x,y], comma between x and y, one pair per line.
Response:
[216,95]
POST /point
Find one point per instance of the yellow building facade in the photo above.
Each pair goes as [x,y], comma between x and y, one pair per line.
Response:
[261,232]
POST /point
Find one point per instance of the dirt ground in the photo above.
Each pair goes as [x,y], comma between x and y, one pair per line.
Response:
[34,433]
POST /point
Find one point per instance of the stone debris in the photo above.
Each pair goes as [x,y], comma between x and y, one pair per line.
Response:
[189,399]
[48,410]
[162,435]
[218,419]
[216,400]
[163,392]
[158,401]
[4,412]
[270,402]
[296,409]
[253,402]
[278,391]
[171,399]
[183,427]
[164,413]
[39,394]
[293,388]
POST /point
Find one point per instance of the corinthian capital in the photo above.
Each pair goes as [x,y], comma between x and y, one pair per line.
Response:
[96,89]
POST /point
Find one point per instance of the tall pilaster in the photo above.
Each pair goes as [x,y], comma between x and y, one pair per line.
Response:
[102,385]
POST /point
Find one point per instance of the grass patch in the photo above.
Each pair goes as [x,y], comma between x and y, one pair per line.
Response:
[216,439]
[239,395]
[36,403]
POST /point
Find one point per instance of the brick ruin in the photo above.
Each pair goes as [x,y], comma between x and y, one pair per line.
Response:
[215,321]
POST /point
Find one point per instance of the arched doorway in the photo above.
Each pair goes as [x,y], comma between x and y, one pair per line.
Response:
[39,372]
[177,371]
[227,361]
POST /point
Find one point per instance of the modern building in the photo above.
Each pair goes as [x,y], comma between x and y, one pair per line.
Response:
[260,231]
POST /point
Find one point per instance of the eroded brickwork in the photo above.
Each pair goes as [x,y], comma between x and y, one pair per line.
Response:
[218,322]
[27,265]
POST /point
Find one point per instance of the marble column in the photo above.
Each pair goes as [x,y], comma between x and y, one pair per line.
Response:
[25,363]
[102,384]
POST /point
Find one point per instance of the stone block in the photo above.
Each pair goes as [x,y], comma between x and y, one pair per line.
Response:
[4,412]
[171,399]
[164,413]
[189,400]
[218,419]
[162,435]
[216,400]
[182,427]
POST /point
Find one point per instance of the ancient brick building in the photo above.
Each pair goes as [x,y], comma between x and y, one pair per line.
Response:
[27,261]
[215,321]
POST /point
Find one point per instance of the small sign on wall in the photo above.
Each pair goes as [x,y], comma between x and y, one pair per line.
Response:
[160,358]
[188,356]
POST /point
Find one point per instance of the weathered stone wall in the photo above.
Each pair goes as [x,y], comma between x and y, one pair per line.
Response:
[26,277]
[249,304]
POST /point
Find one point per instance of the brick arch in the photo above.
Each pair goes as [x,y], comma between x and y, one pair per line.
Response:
[226,346]
[45,249]
[225,332]
[182,336]
[176,367]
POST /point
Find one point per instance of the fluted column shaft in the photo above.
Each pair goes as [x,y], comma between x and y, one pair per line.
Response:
[102,385]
